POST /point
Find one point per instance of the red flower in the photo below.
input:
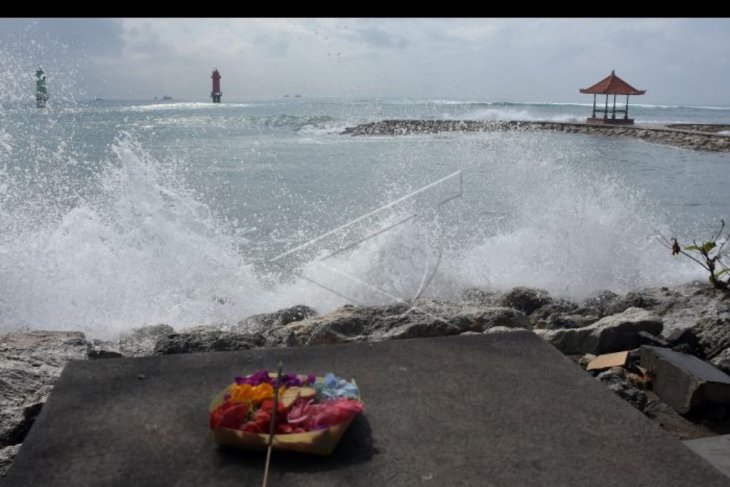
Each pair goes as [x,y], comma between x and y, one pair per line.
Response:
[232,417]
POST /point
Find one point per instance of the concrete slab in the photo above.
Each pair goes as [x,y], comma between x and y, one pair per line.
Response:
[502,409]
[715,449]
[683,381]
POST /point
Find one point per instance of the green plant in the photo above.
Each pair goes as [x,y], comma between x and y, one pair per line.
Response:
[710,255]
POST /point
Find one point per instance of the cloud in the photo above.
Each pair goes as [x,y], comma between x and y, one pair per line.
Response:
[380,38]
[679,61]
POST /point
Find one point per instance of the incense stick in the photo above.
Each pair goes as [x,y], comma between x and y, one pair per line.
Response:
[272,426]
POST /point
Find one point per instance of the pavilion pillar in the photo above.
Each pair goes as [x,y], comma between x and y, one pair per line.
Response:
[613,115]
[594,105]
[626,112]
[605,109]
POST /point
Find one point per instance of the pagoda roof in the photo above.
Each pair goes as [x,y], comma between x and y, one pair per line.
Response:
[612,85]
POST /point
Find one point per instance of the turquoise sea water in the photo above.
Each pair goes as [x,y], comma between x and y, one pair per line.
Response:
[117,214]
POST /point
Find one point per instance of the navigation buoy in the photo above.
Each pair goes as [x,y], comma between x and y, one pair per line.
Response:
[216,93]
[41,92]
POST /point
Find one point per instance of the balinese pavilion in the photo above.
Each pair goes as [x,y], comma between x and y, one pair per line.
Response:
[611,85]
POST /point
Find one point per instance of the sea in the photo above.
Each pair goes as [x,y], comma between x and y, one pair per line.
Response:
[116,214]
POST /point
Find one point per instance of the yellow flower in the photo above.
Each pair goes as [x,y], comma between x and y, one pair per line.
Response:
[252,394]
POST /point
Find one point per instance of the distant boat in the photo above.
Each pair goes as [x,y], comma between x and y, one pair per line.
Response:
[297,96]
[166,98]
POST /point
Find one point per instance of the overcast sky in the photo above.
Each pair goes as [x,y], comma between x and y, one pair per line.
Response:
[678,61]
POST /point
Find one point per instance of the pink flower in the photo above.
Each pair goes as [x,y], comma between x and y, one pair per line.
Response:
[330,413]
[300,411]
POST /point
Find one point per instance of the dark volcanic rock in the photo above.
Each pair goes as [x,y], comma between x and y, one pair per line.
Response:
[615,379]
[631,300]
[206,341]
[526,299]
[600,300]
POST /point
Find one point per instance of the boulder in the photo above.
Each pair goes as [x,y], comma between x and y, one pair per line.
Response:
[266,321]
[610,334]
[30,362]
[526,299]
[428,319]
[713,334]
[559,320]
[638,299]
[140,342]
[600,300]
[206,340]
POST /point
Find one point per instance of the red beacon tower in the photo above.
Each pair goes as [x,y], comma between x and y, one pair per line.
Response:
[216,93]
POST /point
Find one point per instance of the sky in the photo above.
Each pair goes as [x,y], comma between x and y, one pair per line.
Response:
[678,61]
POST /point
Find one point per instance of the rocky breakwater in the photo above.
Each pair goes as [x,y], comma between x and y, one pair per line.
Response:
[694,137]
[692,318]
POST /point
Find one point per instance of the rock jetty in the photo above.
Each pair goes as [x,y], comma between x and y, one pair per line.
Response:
[704,137]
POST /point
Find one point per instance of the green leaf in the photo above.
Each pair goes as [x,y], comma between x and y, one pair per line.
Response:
[707,246]
[724,271]
[692,247]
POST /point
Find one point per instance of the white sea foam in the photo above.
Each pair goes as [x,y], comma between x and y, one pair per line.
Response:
[182,106]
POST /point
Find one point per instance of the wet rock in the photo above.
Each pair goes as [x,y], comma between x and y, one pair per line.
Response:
[140,342]
[206,341]
[631,300]
[615,379]
[7,455]
[30,363]
[482,297]
[722,361]
[423,329]
[273,328]
[600,300]
[265,321]
[101,349]
[526,299]
[713,334]
[497,329]
[684,381]
[559,320]
[428,319]
[646,338]
[685,336]
[610,334]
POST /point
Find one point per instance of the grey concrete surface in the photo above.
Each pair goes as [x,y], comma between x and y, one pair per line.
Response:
[504,409]
[683,381]
[715,449]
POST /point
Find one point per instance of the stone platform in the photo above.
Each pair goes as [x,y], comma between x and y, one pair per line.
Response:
[500,409]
